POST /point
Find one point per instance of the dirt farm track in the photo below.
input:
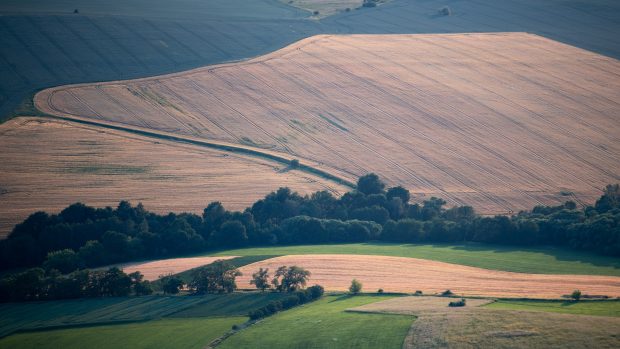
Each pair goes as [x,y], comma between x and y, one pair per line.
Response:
[501,121]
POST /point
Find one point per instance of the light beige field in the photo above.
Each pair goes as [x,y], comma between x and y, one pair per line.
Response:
[400,274]
[47,165]
[152,270]
[500,121]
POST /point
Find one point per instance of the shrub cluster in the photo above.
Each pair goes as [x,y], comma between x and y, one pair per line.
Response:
[460,303]
[296,298]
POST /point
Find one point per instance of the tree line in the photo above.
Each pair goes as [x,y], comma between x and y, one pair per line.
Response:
[82,237]
[218,277]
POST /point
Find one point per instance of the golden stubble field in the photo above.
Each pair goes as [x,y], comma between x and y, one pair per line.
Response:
[48,164]
[400,274]
[152,270]
[500,121]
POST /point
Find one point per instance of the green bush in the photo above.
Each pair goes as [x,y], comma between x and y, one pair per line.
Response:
[460,303]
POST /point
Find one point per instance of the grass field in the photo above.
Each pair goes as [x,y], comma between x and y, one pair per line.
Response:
[551,260]
[166,333]
[599,308]
[49,164]
[490,120]
[325,324]
[90,312]
[400,274]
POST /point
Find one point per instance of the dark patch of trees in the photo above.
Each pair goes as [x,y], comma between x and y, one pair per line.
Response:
[217,277]
[35,284]
[296,298]
[84,237]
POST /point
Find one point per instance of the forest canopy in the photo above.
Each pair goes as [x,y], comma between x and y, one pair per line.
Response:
[82,237]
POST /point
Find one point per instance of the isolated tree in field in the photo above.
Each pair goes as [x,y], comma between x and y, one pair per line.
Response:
[370,184]
[217,277]
[290,279]
[576,295]
[356,287]
[260,279]
[171,284]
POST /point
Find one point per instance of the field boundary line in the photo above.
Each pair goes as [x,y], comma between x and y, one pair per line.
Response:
[229,147]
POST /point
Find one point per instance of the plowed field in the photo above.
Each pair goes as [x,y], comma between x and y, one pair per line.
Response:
[500,121]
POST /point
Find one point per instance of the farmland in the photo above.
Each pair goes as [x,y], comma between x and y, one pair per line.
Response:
[325,324]
[44,44]
[398,274]
[153,269]
[490,120]
[49,164]
[165,333]
[118,310]
[523,260]
[438,326]
[324,7]
[599,308]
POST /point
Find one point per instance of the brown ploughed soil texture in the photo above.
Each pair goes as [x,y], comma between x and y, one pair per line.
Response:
[499,121]
[400,274]
[152,270]
[48,165]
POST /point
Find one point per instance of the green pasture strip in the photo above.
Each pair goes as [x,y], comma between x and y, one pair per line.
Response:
[541,260]
[162,334]
[325,324]
[583,307]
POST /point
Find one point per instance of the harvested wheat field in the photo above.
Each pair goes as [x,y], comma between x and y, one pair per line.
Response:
[49,164]
[153,269]
[399,274]
[500,121]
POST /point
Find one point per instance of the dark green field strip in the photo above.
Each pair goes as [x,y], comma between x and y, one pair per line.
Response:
[192,333]
[230,305]
[584,307]
[30,316]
